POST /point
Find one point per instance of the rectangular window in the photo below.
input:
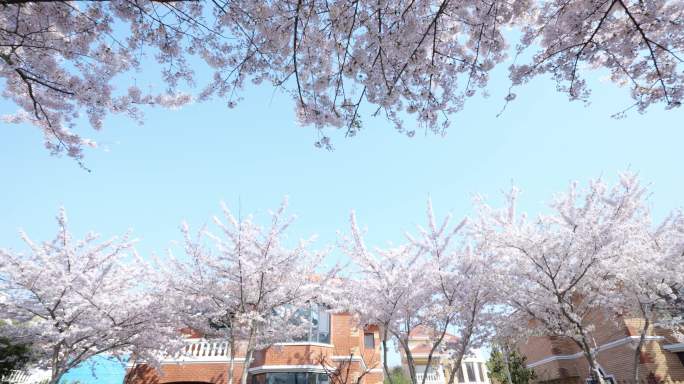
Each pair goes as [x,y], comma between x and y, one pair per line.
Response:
[259,379]
[369,340]
[313,335]
[322,378]
[304,378]
[470,368]
[323,325]
[281,378]
[481,371]
[318,319]
[290,378]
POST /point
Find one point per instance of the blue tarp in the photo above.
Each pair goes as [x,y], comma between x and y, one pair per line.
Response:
[106,370]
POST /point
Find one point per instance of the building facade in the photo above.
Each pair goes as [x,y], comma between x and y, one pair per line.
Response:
[335,344]
[473,368]
[560,360]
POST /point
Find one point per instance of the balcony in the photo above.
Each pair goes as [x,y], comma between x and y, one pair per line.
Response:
[200,350]
[433,377]
[37,376]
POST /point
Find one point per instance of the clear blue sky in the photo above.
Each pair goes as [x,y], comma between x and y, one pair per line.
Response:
[182,163]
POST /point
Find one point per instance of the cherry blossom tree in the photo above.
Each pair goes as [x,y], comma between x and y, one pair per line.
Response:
[76,299]
[390,291]
[463,287]
[651,277]
[436,280]
[61,61]
[246,285]
[563,265]
[196,297]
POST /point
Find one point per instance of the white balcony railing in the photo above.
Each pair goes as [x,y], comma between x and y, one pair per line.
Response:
[21,377]
[432,378]
[201,350]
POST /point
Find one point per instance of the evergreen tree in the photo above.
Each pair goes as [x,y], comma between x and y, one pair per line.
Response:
[12,356]
[517,366]
[398,376]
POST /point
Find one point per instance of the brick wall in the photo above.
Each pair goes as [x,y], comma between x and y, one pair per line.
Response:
[616,361]
[292,355]
[177,373]
[346,349]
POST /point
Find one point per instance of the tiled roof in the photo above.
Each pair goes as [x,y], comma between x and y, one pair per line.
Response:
[422,331]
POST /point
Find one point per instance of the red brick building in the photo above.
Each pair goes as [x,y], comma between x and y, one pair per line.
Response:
[559,360]
[335,342]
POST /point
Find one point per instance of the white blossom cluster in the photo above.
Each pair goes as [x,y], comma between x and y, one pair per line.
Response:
[410,58]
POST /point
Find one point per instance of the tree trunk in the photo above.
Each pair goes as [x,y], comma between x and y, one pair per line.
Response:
[468,333]
[435,345]
[459,359]
[132,372]
[409,359]
[591,359]
[507,365]
[456,366]
[56,378]
[642,339]
[57,373]
[593,368]
[248,354]
[384,356]
[245,366]
[231,365]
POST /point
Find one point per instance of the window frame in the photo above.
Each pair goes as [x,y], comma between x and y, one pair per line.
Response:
[313,314]
[460,374]
[470,367]
[294,377]
[481,371]
[366,338]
